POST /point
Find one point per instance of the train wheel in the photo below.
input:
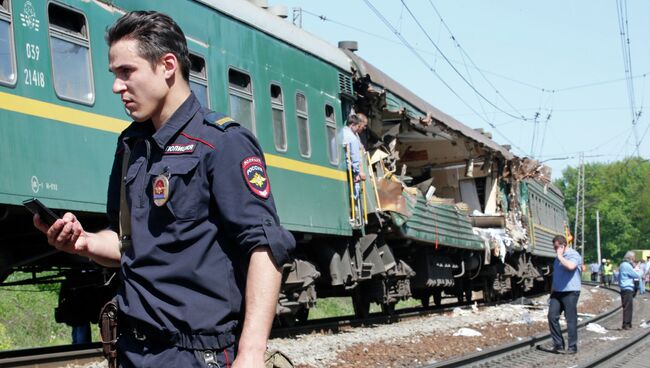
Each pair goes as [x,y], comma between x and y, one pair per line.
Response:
[388,309]
[437,297]
[361,305]
[488,290]
[425,300]
[303,315]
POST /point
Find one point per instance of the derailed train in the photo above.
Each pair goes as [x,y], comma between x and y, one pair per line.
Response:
[445,210]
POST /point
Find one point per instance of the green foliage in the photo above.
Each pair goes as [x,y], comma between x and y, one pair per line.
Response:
[5,340]
[336,307]
[27,316]
[619,190]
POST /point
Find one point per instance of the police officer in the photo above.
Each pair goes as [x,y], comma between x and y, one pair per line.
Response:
[204,247]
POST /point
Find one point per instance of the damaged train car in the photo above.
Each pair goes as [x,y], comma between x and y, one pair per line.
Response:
[447,211]
[444,209]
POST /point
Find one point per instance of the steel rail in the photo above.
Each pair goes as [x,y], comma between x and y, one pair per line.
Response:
[508,348]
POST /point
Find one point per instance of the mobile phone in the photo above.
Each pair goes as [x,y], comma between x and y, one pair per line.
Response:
[36,207]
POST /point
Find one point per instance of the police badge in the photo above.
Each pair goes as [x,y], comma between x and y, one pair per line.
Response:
[160,190]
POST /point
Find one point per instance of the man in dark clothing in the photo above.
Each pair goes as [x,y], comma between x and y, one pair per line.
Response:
[205,243]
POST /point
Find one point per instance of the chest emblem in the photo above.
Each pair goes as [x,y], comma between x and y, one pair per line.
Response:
[255,176]
[160,190]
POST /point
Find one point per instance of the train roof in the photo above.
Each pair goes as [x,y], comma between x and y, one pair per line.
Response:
[259,18]
[275,26]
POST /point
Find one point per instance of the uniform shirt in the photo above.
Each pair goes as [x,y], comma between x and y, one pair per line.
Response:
[608,269]
[184,275]
[351,138]
[626,276]
[563,278]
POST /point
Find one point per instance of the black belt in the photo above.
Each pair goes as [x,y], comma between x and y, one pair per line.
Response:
[194,341]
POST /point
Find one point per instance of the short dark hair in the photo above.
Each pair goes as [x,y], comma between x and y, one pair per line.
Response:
[157,34]
[352,120]
[560,239]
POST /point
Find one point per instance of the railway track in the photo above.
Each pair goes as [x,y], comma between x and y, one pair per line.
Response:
[51,357]
[59,356]
[594,349]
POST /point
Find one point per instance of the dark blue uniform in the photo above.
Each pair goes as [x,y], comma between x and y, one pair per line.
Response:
[183,278]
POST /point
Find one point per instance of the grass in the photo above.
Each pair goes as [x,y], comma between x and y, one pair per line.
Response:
[336,307]
[27,316]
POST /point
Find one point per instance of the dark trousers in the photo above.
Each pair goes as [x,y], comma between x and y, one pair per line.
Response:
[567,302]
[627,296]
[142,354]
[594,276]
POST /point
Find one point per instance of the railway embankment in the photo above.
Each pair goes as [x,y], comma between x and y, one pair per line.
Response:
[424,340]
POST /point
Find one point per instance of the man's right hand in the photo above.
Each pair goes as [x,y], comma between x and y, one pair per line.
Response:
[66,234]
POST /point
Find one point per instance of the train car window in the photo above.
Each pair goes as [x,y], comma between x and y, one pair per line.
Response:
[7,53]
[199,79]
[330,127]
[277,112]
[302,121]
[240,88]
[70,52]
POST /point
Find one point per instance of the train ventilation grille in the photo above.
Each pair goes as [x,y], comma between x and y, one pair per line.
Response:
[345,84]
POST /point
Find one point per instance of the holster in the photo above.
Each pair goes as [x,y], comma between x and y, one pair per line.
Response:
[108,332]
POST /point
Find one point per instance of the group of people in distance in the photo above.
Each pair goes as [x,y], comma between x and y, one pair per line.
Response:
[607,274]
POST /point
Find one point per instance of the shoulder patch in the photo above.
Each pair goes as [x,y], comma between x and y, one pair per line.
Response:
[255,176]
[220,121]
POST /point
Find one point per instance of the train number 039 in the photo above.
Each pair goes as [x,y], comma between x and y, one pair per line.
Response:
[33,51]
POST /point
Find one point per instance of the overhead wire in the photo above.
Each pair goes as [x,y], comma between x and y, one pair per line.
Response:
[325,18]
[424,61]
[471,86]
[624,33]
[462,50]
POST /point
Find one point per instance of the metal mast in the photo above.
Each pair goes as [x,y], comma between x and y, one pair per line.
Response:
[579,225]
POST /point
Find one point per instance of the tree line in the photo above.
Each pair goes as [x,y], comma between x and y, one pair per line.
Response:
[621,192]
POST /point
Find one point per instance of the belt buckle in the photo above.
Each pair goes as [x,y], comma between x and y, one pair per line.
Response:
[139,335]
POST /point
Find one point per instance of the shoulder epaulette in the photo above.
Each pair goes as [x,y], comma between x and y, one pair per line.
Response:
[220,121]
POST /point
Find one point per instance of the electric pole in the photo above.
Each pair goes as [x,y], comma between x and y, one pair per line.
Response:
[597,238]
[579,225]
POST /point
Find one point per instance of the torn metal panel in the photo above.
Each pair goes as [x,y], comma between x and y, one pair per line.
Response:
[366,69]
[391,198]
[437,224]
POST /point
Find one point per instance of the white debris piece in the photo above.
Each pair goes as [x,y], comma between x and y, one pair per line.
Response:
[459,312]
[595,327]
[467,332]
[474,307]
[609,338]
[644,325]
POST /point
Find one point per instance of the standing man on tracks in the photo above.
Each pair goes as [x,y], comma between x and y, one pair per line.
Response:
[564,296]
[193,225]
[594,267]
[627,277]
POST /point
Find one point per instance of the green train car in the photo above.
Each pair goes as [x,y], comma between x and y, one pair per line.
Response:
[445,211]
